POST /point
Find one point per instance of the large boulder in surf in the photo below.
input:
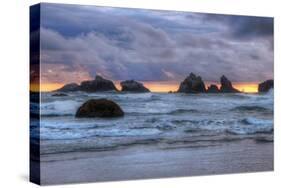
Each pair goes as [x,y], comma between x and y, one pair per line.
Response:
[226,86]
[266,86]
[97,85]
[133,86]
[69,87]
[192,84]
[213,89]
[99,108]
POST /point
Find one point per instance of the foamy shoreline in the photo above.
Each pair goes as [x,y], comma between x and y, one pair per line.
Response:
[141,162]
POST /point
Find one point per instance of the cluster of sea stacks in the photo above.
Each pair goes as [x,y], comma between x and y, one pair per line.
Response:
[107,108]
[191,84]
[99,84]
[195,84]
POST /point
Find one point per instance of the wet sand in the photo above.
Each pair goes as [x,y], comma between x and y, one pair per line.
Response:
[143,161]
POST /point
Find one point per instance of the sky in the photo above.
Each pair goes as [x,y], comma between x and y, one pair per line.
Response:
[80,42]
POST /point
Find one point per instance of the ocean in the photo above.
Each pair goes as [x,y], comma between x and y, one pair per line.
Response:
[165,120]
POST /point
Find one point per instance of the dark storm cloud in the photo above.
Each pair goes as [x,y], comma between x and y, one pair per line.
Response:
[248,27]
[153,45]
[244,27]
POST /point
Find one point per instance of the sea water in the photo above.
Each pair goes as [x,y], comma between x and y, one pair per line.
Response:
[163,119]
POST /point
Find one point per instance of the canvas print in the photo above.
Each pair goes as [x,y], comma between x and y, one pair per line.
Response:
[125,94]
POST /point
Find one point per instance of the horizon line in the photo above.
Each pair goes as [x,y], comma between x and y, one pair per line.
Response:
[153,86]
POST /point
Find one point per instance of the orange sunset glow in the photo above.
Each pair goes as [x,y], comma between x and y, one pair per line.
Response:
[246,87]
[154,86]
[46,87]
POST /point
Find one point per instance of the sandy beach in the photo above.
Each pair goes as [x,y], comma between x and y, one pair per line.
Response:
[141,162]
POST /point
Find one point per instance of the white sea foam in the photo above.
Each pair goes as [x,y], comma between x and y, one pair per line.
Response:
[91,133]
[257,122]
[57,108]
[252,125]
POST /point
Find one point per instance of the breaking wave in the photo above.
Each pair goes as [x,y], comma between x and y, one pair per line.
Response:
[250,108]
[59,108]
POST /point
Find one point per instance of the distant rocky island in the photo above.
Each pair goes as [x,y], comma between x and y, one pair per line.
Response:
[195,84]
[99,84]
[266,86]
[133,86]
[191,84]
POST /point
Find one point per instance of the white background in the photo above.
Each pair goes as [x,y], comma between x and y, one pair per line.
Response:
[14,81]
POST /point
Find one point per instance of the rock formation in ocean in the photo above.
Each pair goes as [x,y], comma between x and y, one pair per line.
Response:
[213,89]
[192,84]
[133,86]
[59,95]
[97,85]
[226,86]
[69,87]
[266,86]
[99,108]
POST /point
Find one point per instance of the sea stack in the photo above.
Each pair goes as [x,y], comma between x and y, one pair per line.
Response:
[192,84]
[213,89]
[266,86]
[99,84]
[99,108]
[226,86]
[69,88]
[59,95]
[133,86]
